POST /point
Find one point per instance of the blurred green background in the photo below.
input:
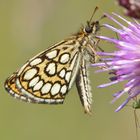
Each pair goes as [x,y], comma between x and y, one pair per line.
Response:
[30,26]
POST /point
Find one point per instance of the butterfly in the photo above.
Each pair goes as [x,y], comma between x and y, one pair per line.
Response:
[47,77]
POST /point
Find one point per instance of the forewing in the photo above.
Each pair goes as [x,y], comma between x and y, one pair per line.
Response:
[47,77]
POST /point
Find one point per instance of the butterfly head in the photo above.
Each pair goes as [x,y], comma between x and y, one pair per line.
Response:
[92,27]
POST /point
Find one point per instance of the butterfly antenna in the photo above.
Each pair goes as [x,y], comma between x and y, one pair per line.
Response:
[102,17]
[96,8]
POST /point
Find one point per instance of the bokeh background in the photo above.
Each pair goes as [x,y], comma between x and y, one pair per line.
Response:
[30,26]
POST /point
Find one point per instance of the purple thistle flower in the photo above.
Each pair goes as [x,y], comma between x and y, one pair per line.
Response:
[123,64]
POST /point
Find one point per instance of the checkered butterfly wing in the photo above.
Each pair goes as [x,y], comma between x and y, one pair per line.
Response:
[47,77]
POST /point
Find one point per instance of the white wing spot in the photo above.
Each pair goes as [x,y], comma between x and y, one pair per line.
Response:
[35,61]
[46,88]
[52,54]
[29,74]
[38,85]
[62,73]
[68,75]
[51,69]
[55,89]
[34,81]
[64,58]
[63,89]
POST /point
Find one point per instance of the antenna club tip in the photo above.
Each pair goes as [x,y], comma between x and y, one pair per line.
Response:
[96,7]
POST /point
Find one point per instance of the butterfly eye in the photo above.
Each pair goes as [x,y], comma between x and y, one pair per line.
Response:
[88,29]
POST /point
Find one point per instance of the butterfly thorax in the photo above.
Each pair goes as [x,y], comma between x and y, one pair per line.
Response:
[87,39]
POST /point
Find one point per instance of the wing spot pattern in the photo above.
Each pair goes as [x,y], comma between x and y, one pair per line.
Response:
[68,75]
[63,89]
[64,58]
[51,69]
[34,81]
[38,85]
[55,89]
[52,54]
[46,88]
[62,73]
[29,74]
[36,61]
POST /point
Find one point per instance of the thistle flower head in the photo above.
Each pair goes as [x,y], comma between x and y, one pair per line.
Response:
[123,64]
